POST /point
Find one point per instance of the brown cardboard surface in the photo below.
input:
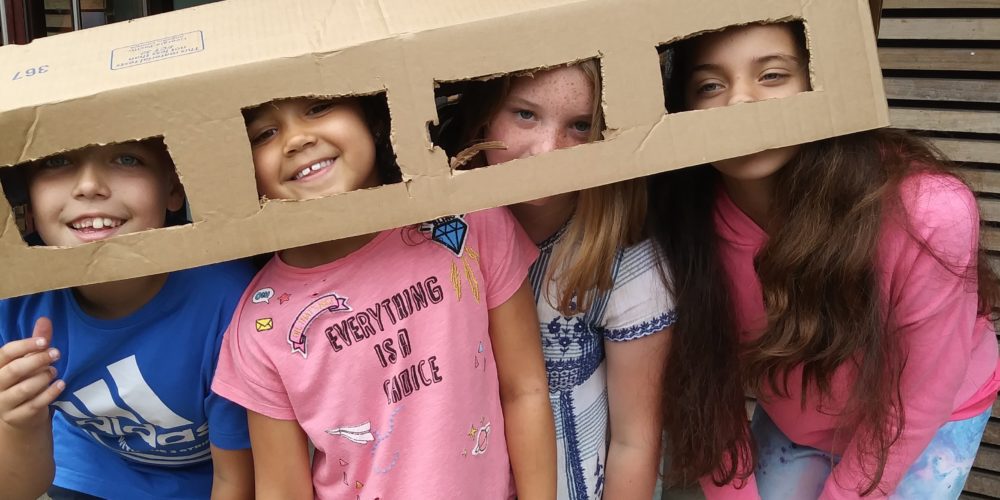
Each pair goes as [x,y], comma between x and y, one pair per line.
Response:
[187,75]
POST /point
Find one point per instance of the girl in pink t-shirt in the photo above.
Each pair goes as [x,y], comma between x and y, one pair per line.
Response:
[841,281]
[403,356]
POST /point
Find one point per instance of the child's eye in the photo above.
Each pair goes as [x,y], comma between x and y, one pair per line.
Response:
[772,77]
[581,126]
[55,162]
[262,136]
[127,160]
[320,107]
[525,114]
[709,88]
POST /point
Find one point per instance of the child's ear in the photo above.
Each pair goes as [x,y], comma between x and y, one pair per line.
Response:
[175,198]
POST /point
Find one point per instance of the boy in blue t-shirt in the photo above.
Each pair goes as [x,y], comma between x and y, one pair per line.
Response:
[125,367]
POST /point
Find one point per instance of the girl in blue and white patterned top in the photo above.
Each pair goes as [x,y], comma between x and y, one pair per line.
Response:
[604,313]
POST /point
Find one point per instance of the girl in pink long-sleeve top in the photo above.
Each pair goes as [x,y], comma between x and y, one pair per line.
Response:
[841,281]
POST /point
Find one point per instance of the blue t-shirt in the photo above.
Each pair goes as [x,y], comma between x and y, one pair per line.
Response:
[137,415]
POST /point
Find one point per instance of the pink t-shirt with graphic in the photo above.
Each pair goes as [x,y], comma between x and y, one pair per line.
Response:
[384,358]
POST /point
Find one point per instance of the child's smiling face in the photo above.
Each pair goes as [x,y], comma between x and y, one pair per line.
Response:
[746,64]
[309,148]
[101,191]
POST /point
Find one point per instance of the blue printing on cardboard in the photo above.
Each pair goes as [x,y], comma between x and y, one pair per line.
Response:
[157,50]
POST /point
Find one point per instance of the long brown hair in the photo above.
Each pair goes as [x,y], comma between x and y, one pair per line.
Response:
[605,218]
[704,416]
[821,293]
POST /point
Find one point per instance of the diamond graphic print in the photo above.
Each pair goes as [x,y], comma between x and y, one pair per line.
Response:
[451,233]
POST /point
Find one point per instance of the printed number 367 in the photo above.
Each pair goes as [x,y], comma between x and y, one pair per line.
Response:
[31,72]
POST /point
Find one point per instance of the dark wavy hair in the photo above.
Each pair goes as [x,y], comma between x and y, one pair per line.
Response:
[376,109]
[821,293]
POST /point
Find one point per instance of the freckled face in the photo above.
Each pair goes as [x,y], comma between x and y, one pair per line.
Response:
[543,112]
[309,148]
[746,64]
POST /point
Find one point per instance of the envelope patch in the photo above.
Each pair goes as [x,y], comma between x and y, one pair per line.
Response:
[264,324]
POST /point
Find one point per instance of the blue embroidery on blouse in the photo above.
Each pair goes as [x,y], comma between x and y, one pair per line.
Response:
[573,352]
[640,330]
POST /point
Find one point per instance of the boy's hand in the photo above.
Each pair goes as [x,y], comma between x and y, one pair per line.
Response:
[26,375]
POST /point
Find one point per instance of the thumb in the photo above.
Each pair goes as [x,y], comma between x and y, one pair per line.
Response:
[43,329]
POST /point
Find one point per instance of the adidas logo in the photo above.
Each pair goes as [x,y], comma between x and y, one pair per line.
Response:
[144,428]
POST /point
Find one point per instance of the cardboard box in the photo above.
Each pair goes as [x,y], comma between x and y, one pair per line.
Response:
[186,76]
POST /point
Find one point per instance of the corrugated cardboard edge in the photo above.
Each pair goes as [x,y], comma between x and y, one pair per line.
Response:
[199,117]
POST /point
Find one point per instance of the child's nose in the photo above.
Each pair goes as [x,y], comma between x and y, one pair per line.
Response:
[741,91]
[298,140]
[91,182]
[548,139]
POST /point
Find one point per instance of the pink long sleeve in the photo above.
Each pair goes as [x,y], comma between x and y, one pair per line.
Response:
[926,259]
[932,300]
[729,491]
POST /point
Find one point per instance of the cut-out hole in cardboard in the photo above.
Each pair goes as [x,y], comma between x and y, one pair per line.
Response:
[494,120]
[737,64]
[317,146]
[95,193]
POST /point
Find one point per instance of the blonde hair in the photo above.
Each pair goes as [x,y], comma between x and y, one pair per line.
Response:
[605,218]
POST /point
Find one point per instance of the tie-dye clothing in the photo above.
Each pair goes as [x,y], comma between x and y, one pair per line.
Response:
[637,305]
[786,470]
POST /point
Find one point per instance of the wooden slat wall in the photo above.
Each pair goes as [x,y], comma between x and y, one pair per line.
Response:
[939,29]
[971,90]
[939,59]
[941,62]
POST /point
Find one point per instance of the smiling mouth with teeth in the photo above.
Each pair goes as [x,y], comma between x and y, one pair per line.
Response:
[312,168]
[96,223]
